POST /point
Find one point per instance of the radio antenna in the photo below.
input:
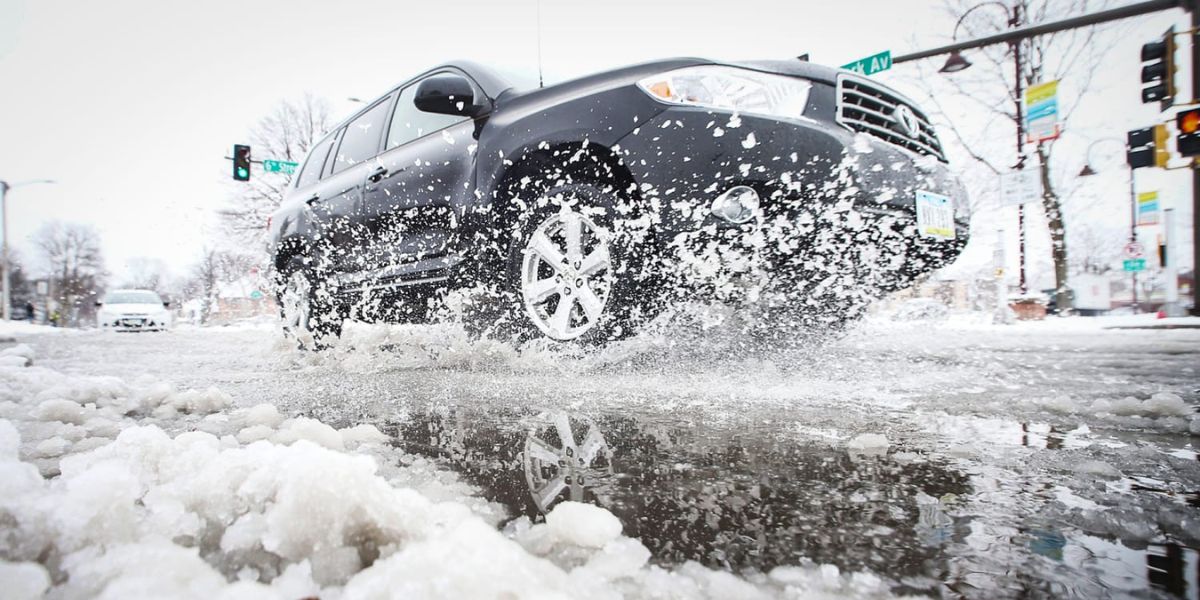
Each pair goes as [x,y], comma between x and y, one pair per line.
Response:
[541,82]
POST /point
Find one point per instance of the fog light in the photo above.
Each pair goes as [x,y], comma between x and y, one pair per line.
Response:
[736,205]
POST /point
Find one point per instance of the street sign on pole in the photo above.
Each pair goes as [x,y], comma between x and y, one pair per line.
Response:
[279,166]
[1147,208]
[1041,112]
[871,64]
[1020,187]
[1133,265]
[1134,250]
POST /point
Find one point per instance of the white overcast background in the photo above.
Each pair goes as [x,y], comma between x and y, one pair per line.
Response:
[132,105]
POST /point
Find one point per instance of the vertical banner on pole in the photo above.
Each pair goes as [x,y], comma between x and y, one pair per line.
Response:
[1041,113]
[1147,208]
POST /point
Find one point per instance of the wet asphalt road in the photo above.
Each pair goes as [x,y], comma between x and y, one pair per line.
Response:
[1004,468]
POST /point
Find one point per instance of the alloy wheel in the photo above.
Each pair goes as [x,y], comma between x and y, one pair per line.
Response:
[566,275]
[295,303]
[559,466]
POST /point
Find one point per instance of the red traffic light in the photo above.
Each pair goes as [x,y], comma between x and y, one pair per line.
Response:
[1188,121]
[1188,140]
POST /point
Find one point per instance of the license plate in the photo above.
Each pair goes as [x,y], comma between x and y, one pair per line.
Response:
[935,216]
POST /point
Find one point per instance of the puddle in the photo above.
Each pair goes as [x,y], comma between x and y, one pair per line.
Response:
[749,500]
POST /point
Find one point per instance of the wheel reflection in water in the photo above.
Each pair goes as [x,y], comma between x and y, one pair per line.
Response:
[566,457]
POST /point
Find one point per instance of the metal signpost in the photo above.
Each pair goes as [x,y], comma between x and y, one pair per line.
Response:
[871,64]
[1133,264]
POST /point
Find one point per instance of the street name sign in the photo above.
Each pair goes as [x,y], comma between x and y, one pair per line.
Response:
[1134,265]
[1147,208]
[871,64]
[1041,112]
[279,166]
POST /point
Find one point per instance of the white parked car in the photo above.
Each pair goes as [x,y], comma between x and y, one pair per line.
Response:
[133,310]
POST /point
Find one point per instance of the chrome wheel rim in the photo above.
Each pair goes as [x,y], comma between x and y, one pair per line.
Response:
[295,303]
[560,466]
[566,275]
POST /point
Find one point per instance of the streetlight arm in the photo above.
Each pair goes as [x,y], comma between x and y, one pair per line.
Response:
[1012,35]
[5,186]
[954,35]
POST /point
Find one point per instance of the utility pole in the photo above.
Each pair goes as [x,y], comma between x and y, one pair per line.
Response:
[5,292]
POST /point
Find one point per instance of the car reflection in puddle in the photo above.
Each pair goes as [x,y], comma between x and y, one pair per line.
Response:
[754,501]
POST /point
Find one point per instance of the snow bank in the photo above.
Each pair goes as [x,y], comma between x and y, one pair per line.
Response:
[111,489]
[25,328]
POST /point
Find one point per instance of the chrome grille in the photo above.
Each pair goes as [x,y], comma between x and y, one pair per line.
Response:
[870,108]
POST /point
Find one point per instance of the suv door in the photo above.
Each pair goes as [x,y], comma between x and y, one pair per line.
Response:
[339,203]
[412,188]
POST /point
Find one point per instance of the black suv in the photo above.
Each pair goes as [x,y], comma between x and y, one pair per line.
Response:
[577,210]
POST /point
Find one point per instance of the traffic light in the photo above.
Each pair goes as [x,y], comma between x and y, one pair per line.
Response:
[1158,70]
[241,162]
[1188,123]
[1148,147]
[1139,152]
[1162,154]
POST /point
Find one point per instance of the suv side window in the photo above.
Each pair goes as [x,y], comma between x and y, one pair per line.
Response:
[408,123]
[311,172]
[361,140]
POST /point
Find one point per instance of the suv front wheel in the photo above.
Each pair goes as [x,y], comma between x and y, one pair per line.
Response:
[310,317]
[567,275]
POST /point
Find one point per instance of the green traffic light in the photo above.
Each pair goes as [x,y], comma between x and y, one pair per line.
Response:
[242,172]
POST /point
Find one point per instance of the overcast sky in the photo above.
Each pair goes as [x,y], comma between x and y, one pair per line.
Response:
[132,105]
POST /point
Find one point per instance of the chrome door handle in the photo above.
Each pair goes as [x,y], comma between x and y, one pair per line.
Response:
[378,174]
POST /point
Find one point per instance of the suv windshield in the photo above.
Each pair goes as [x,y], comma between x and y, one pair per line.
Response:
[136,297]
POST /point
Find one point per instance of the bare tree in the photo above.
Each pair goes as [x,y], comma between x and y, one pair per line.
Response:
[146,274]
[76,266]
[988,89]
[1095,249]
[21,286]
[214,268]
[286,134]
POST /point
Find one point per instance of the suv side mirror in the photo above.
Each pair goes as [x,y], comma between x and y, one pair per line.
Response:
[99,303]
[446,94]
[166,305]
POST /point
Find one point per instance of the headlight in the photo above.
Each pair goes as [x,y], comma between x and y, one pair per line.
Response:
[727,88]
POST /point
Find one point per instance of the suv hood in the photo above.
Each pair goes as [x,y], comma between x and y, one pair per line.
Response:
[794,68]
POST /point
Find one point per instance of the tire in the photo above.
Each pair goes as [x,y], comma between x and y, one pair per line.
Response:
[567,273]
[311,317]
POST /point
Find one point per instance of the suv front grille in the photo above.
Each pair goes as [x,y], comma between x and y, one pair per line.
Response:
[870,108]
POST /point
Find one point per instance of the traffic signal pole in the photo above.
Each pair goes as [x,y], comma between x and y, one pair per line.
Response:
[1016,34]
[1190,6]
[1133,233]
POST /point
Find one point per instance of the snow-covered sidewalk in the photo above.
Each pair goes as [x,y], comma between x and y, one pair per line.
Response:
[136,489]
